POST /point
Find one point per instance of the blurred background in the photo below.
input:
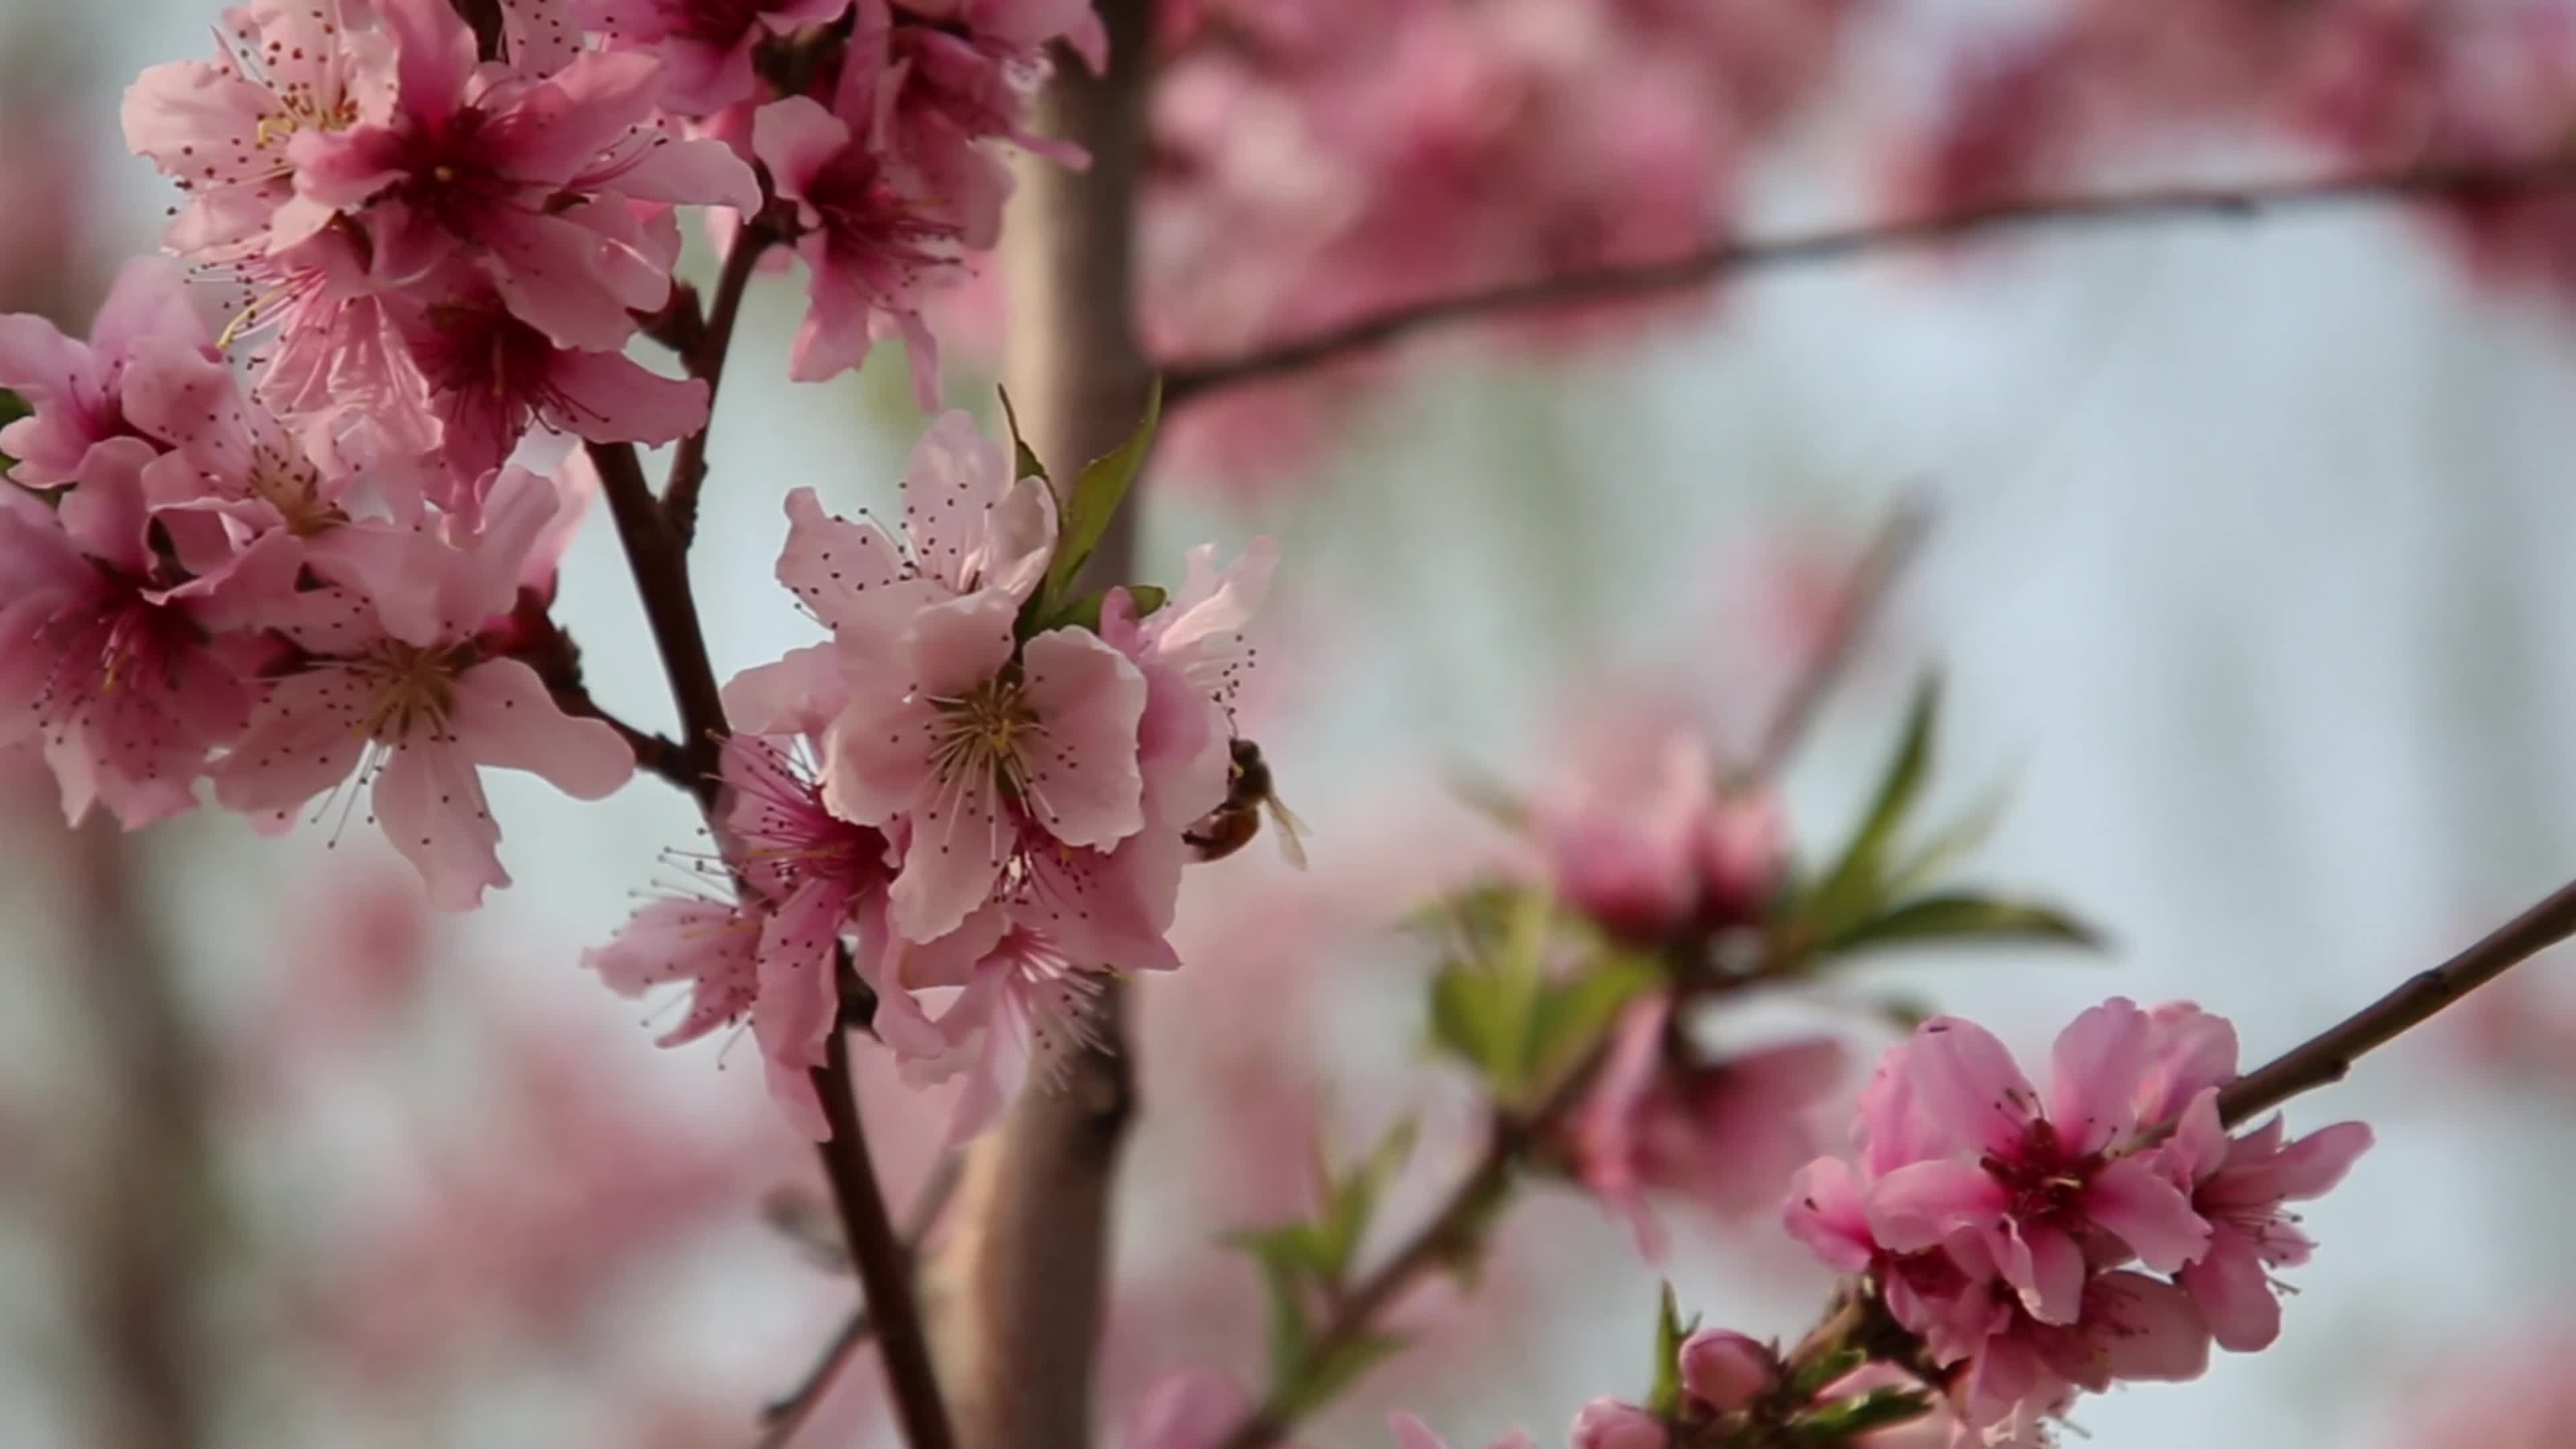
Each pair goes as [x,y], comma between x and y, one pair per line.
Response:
[2246,583]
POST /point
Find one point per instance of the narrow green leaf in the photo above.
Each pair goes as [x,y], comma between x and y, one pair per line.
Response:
[1823,1369]
[1351,1203]
[1338,1369]
[1024,463]
[1095,496]
[1292,1340]
[1846,1419]
[1664,1400]
[1928,861]
[1960,919]
[1856,883]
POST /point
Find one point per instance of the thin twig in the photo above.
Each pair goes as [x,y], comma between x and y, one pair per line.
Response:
[783,1416]
[884,1263]
[1856,606]
[705,360]
[2329,1055]
[661,569]
[1186,379]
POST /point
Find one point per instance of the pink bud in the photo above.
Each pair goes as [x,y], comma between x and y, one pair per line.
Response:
[1609,1424]
[1724,1369]
[1741,852]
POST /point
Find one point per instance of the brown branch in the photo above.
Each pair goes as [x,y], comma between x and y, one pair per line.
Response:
[1023,1271]
[2329,1055]
[1186,379]
[883,1261]
[781,1417]
[1856,606]
[705,359]
[660,564]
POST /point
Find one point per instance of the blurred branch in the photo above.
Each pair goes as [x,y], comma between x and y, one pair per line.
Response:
[1189,378]
[1856,605]
[140,1223]
[1021,1275]
[2328,1057]
[884,1260]
[781,1417]
[704,357]
[660,563]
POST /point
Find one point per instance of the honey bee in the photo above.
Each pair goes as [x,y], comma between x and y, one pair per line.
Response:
[1248,793]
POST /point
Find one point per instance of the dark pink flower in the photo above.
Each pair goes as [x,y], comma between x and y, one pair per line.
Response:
[1725,1370]
[530,178]
[706,45]
[74,388]
[873,231]
[2240,1185]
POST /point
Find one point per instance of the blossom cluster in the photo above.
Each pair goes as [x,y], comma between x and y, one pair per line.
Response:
[2042,1245]
[971,790]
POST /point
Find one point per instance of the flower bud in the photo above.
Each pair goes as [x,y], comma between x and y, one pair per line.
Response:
[1609,1424]
[1724,1369]
[1742,850]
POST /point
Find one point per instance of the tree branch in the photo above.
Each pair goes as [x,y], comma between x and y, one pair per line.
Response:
[705,359]
[883,1261]
[781,1417]
[2328,1056]
[1187,379]
[1856,606]
[660,564]
[1023,1270]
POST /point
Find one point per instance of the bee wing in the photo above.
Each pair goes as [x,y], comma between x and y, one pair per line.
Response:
[1290,830]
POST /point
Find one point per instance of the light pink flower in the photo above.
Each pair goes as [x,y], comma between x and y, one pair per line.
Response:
[2240,1186]
[530,178]
[976,741]
[1022,1003]
[967,70]
[128,678]
[405,697]
[1723,1138]
[75,388]
[705,45]
[2129,1326]
[1412,1433]
[1193,657]
[874,232]
[2050,1188]
[1645,843]
[713,945]
[1610,1424]
[220,128]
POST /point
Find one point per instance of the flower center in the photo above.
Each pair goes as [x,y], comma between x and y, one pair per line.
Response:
[984,732]
[406,688]
[293,488]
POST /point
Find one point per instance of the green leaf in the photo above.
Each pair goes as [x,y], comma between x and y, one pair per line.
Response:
[1572,1015]
[1811,1378]
[1338,1369]
[1961,837]
[1664,1400]
[1846,1419]
[1094,499]
[1857,882]
[1352,1202]
[1024,463]
[1291,1339]
[1485,1002]
[1958,918]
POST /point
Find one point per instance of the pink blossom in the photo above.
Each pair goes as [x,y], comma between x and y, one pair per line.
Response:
[488,376]
[1722,1137]
[1024,1002]
[75,389]
[870,232]
[1725,1370]
[1193,657]
[706,45]
[405,698]
[1645,843]
[528,177]
[1610,1424]
[221,128]
[2049,1187]
[1412,1433]
[2240,1185]
[712,945]
[967,70]
[128,677]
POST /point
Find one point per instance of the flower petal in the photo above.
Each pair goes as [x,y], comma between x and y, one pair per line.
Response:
[2135,1200]
[1083,784]
[431,805]
[1966,1084]
[504,717]
[2094,1073]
